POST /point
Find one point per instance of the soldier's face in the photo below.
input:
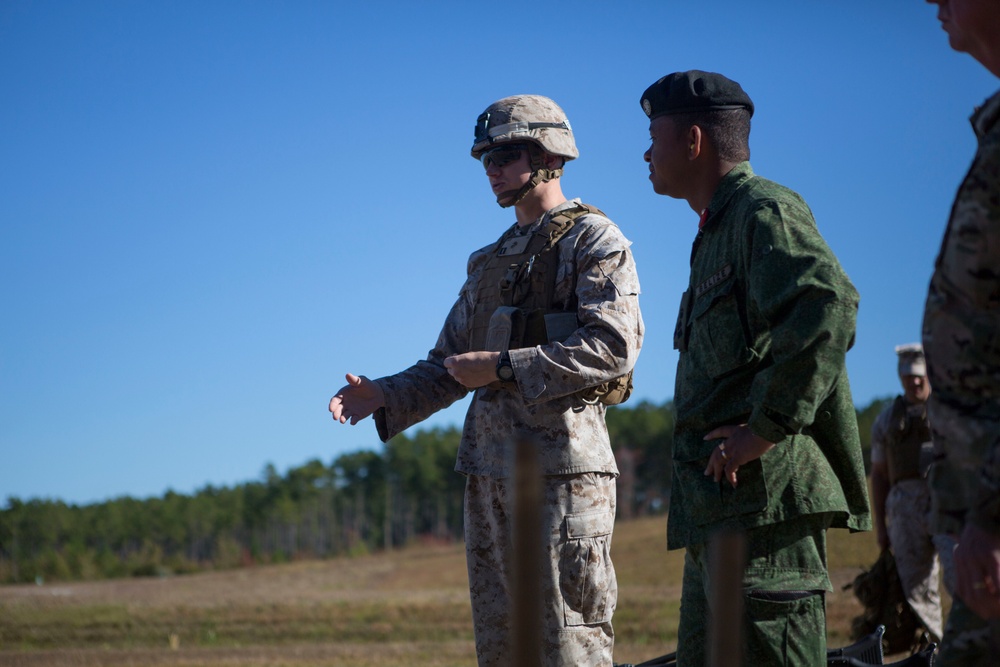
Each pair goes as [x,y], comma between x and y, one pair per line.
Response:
[667,157]
[510,176]
[971,24]
[916,388]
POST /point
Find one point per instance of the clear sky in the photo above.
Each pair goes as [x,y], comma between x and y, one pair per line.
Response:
[210,211]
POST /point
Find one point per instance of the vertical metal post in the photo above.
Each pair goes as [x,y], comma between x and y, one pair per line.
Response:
[526,566]
[727,556]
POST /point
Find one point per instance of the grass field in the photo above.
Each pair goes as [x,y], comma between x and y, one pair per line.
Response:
[409,607]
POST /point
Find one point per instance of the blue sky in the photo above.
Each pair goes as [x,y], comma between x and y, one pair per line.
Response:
[210,211]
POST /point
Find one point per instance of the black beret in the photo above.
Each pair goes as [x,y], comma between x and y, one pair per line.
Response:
[685,92]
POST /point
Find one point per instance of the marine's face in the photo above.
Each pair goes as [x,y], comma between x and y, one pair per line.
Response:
[971,24]
[507,175]
[916,388]
[667,156]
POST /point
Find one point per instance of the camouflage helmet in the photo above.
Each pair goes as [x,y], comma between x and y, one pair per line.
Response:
[525,118]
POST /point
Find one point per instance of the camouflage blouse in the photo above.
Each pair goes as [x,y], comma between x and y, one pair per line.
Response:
[962,343]
[597,272]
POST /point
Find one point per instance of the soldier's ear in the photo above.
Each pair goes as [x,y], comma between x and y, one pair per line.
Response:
[695,142]
[554,161]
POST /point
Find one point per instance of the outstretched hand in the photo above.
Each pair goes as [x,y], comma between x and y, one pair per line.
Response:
[357,400]
[739,446]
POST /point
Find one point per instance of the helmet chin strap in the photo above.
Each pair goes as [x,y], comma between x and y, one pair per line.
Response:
[539,174]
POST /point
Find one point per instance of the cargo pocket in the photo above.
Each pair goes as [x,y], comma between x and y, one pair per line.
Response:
[785,631]
[717,331]
[586,575]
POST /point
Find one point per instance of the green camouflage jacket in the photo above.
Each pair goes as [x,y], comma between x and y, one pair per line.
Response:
[962,343]
[763,331]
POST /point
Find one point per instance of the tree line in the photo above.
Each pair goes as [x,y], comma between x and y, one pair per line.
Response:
[362,501]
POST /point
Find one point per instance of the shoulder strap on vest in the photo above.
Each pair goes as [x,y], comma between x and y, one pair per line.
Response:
[563,221]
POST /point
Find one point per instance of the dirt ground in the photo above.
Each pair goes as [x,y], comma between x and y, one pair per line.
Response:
[408,607]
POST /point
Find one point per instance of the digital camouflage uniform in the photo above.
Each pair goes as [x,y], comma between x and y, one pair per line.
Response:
[962,344]
[920,554]
[596,277]
[763,331]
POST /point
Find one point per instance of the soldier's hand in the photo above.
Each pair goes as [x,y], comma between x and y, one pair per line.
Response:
[977,571]
[739,446]
[356,400]
[473,369]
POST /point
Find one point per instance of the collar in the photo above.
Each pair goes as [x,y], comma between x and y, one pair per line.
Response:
[985,118]
[728,186]
[537,224]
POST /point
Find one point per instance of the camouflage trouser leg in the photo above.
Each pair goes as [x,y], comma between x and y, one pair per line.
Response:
[945,547]
[966,640]
[785,557]
[578,588]
[907,511]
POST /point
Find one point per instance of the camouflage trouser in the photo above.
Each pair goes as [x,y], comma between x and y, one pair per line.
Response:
[917,552]
[966,640]
[783,597]
[578,590]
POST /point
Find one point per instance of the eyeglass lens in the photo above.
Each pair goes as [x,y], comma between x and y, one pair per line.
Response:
[501,156]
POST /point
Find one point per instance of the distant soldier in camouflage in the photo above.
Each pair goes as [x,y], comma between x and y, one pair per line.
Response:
[962,342]
[901,454]
[545,331]
[766,437]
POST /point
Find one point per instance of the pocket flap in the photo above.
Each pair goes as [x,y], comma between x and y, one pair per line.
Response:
[704,301]
[589,524]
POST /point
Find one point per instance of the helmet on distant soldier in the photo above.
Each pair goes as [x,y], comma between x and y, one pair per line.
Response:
[533,120]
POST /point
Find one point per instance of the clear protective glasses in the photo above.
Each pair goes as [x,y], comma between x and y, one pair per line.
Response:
[502,155]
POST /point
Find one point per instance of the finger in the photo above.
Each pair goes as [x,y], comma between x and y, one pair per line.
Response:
[336,406]
[993,575]
[353,380]
[711,466]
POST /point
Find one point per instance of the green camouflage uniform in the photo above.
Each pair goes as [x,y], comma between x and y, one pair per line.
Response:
[962,345]
[763,331]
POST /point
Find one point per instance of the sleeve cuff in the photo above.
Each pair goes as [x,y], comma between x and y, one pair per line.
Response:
[531,385]
[767,428]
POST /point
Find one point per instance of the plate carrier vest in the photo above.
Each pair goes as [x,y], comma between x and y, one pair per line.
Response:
[516,294]
[907,442]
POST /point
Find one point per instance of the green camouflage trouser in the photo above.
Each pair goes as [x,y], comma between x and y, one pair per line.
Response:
[578,590]
[783,597]
[966,640]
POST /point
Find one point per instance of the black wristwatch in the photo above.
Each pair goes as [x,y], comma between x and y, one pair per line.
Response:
[505,372]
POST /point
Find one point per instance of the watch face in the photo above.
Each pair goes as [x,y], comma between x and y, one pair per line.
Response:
[505,373]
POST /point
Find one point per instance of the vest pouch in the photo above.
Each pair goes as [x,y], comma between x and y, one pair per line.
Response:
[506,326]
[539,327]
[560,326]
[612,392]
[531,331]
